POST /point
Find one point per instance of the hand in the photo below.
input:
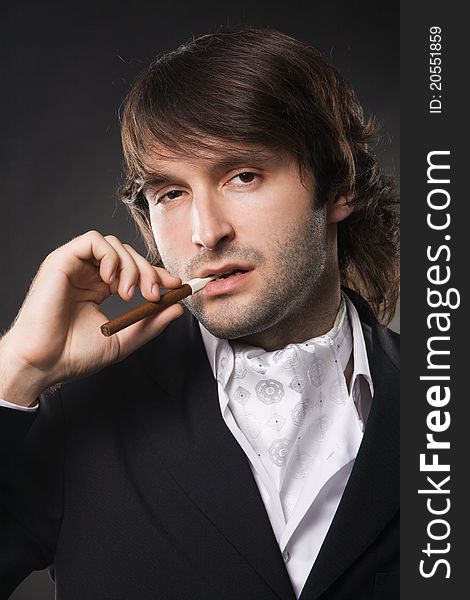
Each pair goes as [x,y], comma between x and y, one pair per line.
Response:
[56,335]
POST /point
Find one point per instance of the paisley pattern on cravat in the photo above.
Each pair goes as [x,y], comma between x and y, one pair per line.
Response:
[286,402]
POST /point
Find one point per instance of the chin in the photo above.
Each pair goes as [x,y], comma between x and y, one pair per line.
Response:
[225,332]
[235,317]
[234,324]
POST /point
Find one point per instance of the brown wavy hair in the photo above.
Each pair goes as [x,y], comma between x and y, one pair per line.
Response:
[257,86]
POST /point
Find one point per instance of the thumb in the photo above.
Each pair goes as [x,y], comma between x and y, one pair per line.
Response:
[140,333]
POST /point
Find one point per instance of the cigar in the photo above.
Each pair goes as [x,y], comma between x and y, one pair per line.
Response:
[150,308]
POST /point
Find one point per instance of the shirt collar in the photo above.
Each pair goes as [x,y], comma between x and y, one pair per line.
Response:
[221,357]
[361,361]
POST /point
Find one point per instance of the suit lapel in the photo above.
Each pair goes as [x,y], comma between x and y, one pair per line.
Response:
[191,438]
[193,441]
[371,497]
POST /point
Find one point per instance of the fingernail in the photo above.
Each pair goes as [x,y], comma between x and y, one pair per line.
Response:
[112,276]
[131,290]
[156,290]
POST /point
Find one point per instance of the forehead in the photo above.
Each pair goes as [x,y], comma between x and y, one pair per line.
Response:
[220,157]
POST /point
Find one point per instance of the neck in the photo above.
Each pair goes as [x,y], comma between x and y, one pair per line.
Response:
[314,317]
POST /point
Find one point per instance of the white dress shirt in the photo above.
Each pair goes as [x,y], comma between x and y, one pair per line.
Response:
[7,404]
[301,528]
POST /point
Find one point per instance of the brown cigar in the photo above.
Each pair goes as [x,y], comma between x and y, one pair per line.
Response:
[150,308]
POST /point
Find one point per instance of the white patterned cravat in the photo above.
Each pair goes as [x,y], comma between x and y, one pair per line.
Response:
[287,403]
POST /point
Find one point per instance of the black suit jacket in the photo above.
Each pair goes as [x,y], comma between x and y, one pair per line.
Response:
[130,484]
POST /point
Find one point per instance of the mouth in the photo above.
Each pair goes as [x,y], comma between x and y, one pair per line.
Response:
[227,274]
[226,280]
[224,271]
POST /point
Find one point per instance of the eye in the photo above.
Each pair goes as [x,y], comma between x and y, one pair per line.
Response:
[246,176]
[153,197]
[171,195]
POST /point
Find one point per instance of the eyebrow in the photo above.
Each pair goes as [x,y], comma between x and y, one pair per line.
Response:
[265,158]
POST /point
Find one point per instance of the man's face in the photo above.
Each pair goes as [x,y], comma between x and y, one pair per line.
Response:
[248,215]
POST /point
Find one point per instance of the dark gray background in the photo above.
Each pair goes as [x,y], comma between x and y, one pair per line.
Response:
[66,68]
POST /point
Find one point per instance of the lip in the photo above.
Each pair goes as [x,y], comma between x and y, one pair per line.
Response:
[223,269]
[228,285]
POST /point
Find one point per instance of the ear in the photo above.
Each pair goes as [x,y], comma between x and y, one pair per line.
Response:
[339,208]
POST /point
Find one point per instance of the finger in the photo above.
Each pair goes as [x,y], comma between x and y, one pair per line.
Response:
[90,246]
[166,278]
[128,273]
[149,280]
[140,333]
[152,278]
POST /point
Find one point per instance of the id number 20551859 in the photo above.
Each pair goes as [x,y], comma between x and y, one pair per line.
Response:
[435,69]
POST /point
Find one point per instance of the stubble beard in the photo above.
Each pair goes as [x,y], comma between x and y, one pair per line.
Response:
[293,282]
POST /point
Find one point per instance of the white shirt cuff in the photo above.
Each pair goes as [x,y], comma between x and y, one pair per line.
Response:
[7,404]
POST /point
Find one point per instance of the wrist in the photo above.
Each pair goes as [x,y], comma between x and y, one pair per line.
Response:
[20,383]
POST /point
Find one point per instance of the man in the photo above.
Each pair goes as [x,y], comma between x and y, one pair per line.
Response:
[250,450]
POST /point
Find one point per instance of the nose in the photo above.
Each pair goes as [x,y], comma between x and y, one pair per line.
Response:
[211,224]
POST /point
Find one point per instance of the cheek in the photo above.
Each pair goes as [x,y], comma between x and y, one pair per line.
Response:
[272,224]
[155,229]
[173,244]
[161,241]
[165,235]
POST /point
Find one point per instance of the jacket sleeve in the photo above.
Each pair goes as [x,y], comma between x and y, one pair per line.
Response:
[31,489]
